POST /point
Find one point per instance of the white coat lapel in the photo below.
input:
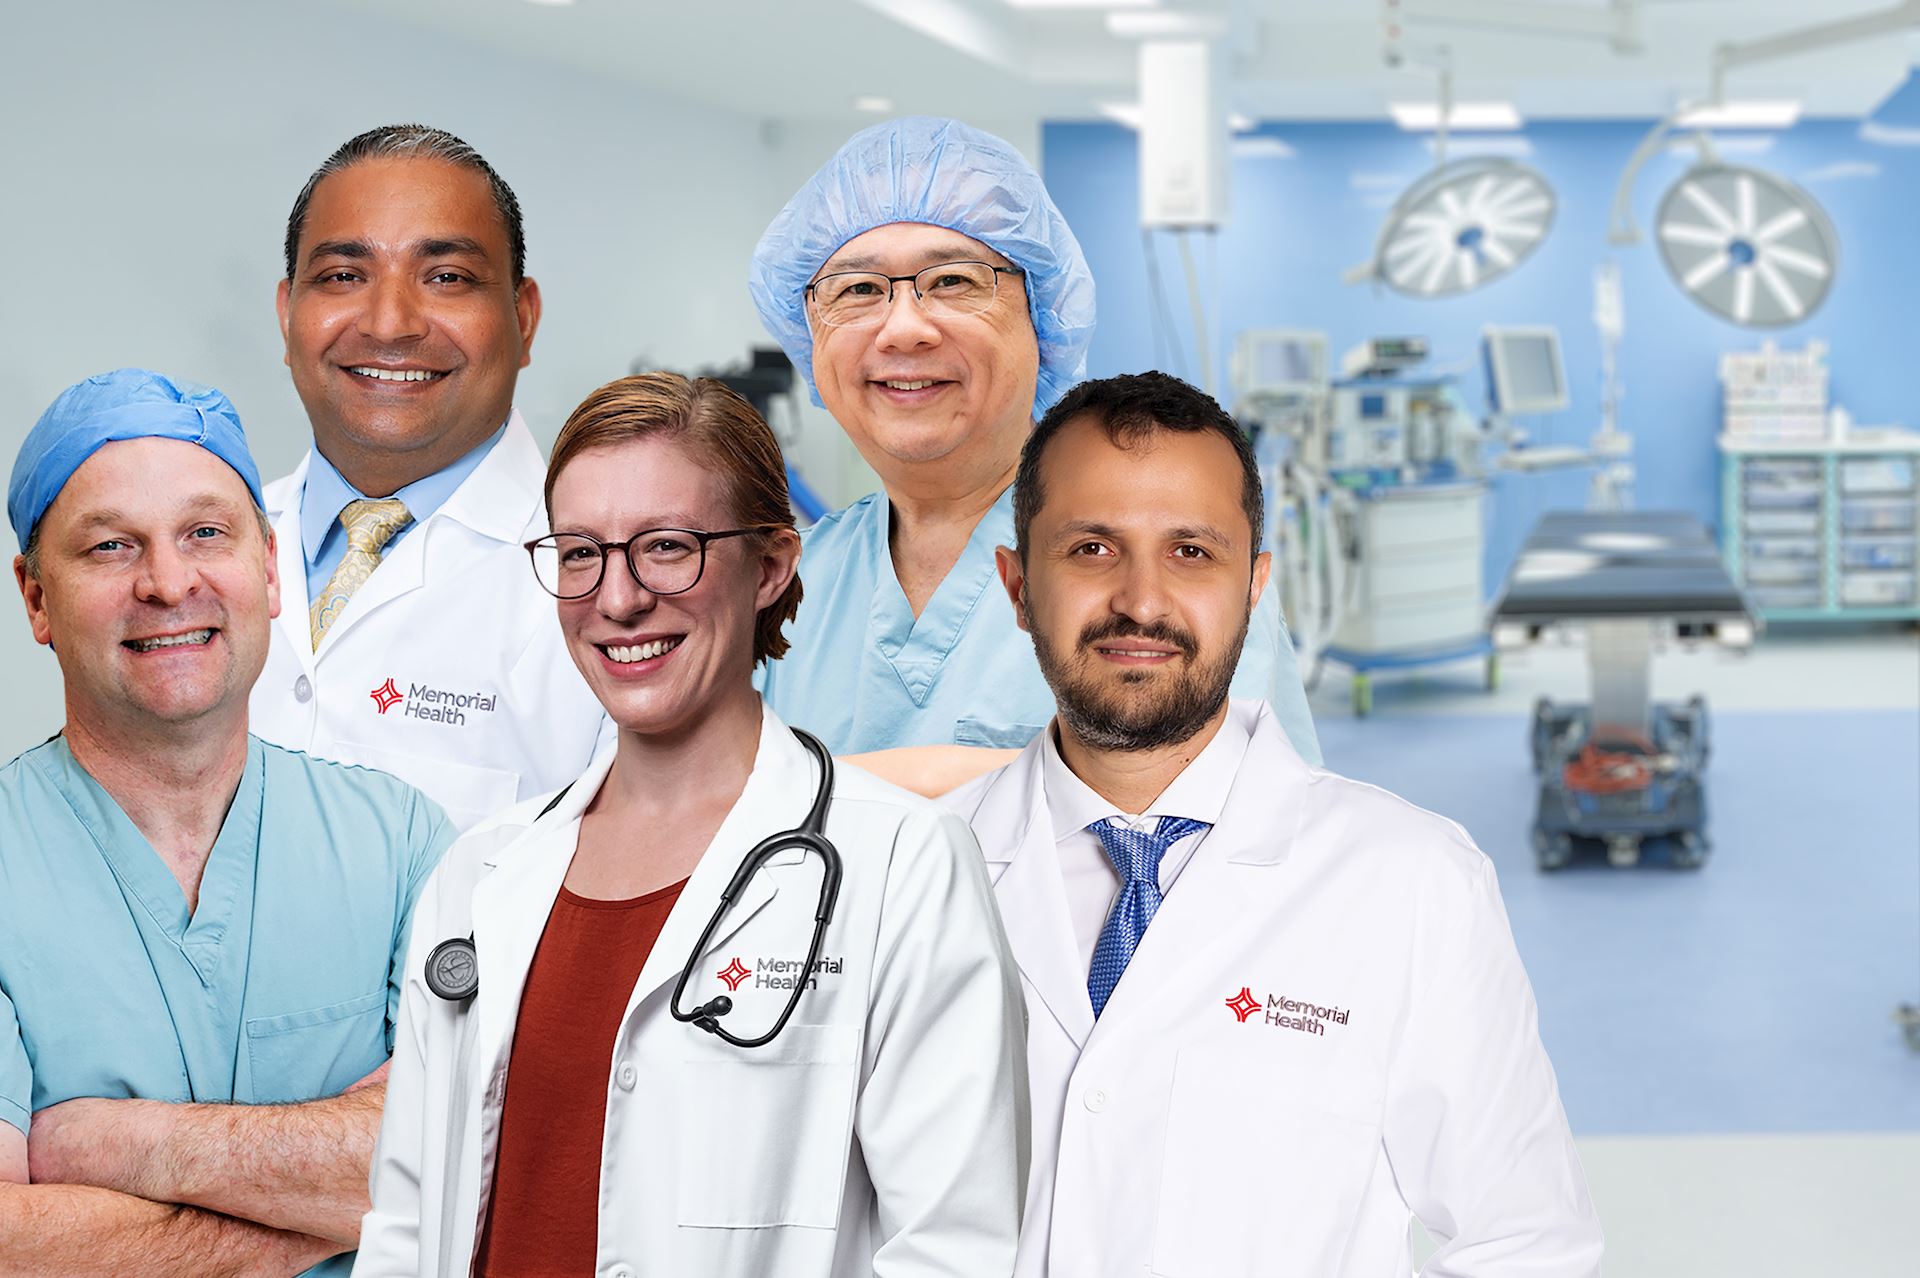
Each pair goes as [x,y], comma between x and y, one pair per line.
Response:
[401,571]
[1016,834]
[496,501]
[512,903]
[1255,832]
[290,557]
[776,797]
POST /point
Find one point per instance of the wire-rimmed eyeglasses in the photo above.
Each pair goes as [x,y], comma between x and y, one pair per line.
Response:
[854,299]
[664,561]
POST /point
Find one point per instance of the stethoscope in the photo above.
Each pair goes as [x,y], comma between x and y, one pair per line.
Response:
[453,968]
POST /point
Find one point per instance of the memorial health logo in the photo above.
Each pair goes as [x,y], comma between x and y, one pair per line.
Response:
[386,696]
[734,973]
[1287,1013]
[1243,1004]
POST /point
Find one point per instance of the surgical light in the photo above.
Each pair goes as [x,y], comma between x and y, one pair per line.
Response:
[1748,245]
[1461,227]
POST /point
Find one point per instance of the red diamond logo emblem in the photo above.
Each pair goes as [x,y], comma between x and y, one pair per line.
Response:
[386,696]
[1243,1004]
[733,974]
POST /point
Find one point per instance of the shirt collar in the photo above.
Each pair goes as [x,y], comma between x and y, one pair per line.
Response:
[1199,792]
[328,492]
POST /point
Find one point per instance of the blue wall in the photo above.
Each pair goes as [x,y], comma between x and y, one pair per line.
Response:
[1300,220]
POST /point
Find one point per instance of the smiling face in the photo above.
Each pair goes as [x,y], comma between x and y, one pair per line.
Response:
[914,391]
[660,664]
[404,329]
[1139,583]
[156,586]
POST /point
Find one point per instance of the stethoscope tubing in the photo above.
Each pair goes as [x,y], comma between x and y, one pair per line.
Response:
[453,969]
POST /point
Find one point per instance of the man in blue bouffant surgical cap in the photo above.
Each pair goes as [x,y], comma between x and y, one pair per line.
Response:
[937,303]
[129,403]
[201,935]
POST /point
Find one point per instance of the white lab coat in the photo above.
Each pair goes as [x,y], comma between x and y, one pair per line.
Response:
[491,708]
[1174,1138]
[882,1133]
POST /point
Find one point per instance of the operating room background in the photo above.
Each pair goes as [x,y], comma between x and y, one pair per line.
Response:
[1723,1039]
[1309,199]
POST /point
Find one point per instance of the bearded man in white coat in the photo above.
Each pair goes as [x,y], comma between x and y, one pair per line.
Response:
[1273,1011]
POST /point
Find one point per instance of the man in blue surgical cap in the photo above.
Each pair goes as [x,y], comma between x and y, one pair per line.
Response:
[936,302]
[201,935]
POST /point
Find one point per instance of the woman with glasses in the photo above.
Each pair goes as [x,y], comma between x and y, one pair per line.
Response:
[717,1008]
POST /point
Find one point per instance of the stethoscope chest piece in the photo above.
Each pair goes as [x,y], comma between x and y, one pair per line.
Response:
[453,969]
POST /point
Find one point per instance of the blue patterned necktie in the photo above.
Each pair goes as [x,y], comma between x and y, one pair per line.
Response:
[1136,855]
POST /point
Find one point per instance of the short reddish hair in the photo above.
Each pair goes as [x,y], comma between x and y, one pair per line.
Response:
[730,438]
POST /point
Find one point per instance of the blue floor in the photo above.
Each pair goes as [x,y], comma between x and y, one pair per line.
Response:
[1754,995]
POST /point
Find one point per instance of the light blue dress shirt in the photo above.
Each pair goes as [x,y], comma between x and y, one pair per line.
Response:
[324,541]
[282,985]
[864,674]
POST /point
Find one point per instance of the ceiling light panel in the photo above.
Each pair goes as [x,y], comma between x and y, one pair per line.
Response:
[1465,116]
[1776,114]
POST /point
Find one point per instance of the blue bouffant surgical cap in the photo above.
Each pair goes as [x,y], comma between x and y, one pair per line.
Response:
[944,173]
[128,403]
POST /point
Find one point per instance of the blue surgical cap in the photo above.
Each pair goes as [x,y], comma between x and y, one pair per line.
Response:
[944,173]
[128,403]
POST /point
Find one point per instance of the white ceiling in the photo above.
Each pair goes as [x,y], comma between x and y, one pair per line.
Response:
[803,61]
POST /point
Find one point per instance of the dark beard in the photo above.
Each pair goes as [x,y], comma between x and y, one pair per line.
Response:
[1140,716]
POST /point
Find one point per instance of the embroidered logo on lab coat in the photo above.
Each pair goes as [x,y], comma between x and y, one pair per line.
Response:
[1243,1004]
[734,973]
[386,696]
[436,705]
[1286,1013]
[778,973]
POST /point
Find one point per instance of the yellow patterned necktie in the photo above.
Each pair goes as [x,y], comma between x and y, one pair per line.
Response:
[370,526]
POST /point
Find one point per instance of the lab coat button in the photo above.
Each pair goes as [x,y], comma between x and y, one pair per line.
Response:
[1096,1100]
[303,689]
[626,1076]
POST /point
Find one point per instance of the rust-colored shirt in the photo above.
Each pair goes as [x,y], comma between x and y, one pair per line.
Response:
[544,1215]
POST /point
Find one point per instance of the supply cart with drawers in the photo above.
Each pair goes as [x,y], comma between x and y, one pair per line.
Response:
[1824,531]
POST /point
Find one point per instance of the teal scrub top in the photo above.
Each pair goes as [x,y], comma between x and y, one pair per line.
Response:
[284,983]
[864,674]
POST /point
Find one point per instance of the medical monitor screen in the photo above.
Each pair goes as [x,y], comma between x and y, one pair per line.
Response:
[1524,371]
[1280,362]
[1285,364]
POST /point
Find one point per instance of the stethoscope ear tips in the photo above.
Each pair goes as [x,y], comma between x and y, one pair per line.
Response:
[720,1006]
[707,1015]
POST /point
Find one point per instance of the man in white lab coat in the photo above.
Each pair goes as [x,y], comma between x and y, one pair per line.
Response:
[1273,1011]
[415,639]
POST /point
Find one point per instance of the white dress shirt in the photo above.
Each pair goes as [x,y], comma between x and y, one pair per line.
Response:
[1198,793]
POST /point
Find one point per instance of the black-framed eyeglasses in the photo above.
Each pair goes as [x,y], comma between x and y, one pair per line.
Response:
[664,561]
[855,299]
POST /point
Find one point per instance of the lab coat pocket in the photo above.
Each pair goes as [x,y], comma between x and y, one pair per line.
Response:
[1266,1162]
[764,1132]
[318,1052]
[994,736]
[469,793]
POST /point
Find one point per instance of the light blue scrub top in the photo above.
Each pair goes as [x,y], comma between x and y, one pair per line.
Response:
[863,674]
[283,985]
